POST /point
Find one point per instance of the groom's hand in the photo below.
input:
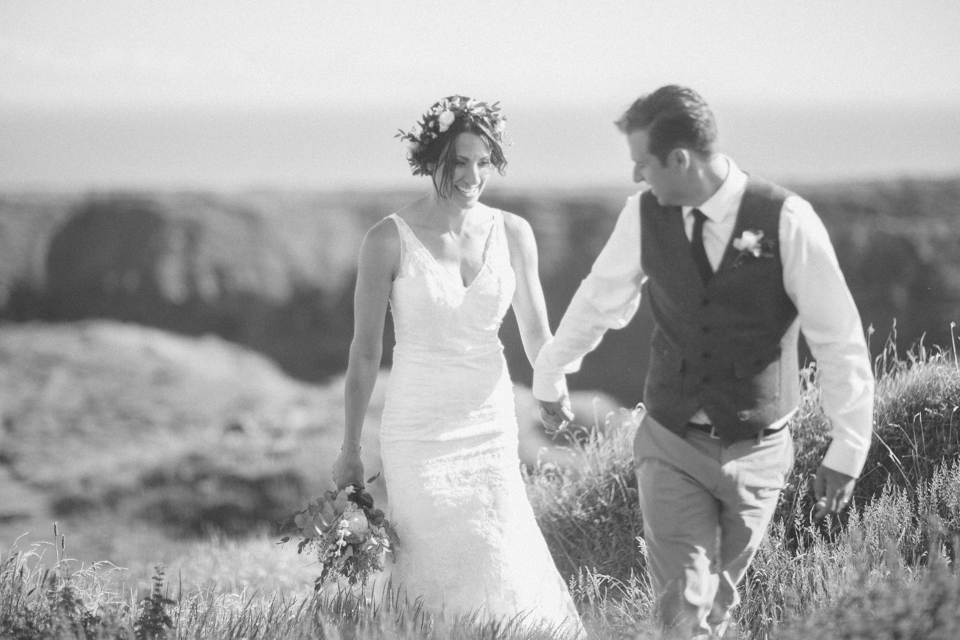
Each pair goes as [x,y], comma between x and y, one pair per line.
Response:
[555,414]
[833,491]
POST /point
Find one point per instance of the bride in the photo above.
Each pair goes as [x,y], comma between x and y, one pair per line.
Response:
[450,267]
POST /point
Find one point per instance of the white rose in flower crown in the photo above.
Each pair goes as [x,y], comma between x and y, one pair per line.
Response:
[417,130]
[412,145]
[445,120]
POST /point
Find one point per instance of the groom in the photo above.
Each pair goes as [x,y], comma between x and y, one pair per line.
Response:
[734,267]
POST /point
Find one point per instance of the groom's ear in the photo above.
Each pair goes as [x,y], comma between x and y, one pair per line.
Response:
[680,158]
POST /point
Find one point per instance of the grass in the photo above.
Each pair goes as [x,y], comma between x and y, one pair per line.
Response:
[588,512]
[886,569]
[37,601]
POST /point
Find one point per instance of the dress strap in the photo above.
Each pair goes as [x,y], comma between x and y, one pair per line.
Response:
[499,234]
[498,220]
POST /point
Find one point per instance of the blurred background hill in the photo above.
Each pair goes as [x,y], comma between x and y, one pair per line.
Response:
[274,271]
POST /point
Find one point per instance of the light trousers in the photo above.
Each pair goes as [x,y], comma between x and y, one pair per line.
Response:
[705,510]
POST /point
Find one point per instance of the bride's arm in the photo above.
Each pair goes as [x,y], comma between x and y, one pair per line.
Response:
[528,302]
[378,265]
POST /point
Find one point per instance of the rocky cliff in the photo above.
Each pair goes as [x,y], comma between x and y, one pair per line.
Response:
[275,271]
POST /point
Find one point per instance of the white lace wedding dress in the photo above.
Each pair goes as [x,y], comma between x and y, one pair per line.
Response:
[469,543]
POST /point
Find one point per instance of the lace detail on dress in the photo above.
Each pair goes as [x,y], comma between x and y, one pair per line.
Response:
[469,539]
[415,257]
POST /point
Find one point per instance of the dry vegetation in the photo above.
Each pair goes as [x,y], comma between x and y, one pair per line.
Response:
[884,570]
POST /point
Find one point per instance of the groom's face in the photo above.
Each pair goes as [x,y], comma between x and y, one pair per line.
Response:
[664,180]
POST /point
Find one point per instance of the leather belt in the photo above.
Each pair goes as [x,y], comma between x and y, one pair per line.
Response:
[710,431]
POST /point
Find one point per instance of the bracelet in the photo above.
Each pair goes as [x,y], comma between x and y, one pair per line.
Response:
[359,448]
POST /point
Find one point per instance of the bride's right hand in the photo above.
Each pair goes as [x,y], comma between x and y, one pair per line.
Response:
[348,469]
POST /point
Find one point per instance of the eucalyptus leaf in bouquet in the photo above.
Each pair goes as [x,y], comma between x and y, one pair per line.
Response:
[350,537]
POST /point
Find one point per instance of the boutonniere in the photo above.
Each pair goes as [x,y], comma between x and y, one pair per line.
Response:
[751,244]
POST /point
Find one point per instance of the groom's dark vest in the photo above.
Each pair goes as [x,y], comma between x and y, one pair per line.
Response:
[729,347]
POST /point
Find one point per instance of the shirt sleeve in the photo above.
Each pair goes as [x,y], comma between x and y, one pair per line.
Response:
[832,328]
[607,299]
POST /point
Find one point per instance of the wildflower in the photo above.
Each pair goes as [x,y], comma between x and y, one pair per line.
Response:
[445,120]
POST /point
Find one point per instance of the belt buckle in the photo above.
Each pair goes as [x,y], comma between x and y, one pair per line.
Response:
[713,432]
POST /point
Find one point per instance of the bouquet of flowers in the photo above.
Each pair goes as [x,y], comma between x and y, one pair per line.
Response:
[350,537]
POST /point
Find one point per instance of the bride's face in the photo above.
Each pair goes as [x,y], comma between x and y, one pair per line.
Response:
[472,168]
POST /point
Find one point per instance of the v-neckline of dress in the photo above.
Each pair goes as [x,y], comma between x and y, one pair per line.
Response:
[458,279]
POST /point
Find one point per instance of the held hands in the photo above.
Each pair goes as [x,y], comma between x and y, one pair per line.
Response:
[348,469]
[555,415]
[833,491]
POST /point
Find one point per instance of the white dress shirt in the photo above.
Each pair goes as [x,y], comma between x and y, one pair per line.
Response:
[610,295]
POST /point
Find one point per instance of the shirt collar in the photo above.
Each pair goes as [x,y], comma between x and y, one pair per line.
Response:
[727,199]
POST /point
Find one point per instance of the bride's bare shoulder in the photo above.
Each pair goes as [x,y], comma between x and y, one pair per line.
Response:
[384,233]
[381,245]
[517,228]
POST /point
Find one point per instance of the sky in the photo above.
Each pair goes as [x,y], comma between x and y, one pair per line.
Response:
[538,58]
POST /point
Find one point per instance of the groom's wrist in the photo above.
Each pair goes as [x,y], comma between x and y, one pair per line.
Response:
[549,388]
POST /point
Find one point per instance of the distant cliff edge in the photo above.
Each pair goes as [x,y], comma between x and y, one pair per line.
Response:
[275,270]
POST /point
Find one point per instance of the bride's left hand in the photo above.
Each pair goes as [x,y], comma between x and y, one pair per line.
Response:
[348,469]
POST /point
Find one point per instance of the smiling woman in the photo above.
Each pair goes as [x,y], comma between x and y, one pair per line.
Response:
[449,267]
[435,142]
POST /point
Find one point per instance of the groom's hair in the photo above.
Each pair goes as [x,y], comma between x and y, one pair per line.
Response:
[673,116]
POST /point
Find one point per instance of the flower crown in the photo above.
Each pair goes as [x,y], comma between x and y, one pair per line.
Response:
[441,116]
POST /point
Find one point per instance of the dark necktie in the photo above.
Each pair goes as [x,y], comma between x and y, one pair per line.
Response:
[696,247]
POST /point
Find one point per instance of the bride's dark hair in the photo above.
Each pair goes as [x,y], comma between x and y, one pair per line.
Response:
[431,141]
